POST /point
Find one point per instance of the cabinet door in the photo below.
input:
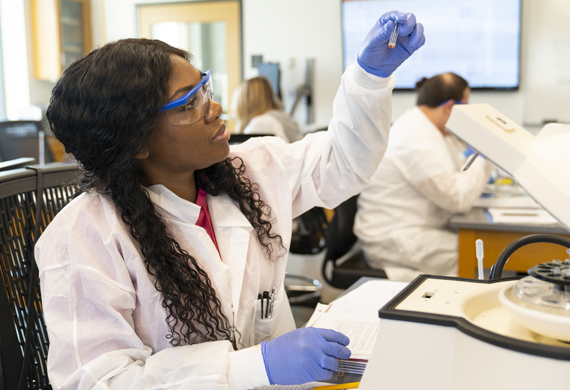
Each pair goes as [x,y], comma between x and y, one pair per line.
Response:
[61,33]
[74,27]
[209,30]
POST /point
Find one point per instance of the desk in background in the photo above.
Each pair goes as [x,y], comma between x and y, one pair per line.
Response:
[496,237]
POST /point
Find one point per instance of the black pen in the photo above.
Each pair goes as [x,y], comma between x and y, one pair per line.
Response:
[265,304]
[261,303]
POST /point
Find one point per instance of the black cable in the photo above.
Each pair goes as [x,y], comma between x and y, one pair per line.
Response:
[497,269]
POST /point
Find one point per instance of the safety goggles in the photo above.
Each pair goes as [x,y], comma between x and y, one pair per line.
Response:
[192,106]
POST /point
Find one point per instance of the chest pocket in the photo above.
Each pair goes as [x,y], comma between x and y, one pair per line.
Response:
[264,327]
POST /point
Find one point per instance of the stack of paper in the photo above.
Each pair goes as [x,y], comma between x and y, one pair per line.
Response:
[356,315]
[522,216]
[512,202]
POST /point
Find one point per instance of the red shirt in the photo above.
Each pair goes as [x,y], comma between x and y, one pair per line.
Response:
[204,220]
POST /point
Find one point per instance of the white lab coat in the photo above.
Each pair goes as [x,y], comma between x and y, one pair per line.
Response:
[402,214]
[104,316]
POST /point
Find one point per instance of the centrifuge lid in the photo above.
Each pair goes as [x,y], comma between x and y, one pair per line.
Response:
[541,296]
[539,164]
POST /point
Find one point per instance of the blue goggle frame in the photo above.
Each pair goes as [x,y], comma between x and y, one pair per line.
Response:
[206,75]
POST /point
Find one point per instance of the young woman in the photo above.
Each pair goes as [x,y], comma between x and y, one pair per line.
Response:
[150,278]
[259,111]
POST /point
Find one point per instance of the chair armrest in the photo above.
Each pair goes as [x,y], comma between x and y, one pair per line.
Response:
[16,163]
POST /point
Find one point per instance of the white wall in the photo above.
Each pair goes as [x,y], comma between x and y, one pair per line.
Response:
[289,32]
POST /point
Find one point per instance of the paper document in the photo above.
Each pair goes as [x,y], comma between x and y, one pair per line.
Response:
[304,386]
[356,314]
[522,216]
[517,202]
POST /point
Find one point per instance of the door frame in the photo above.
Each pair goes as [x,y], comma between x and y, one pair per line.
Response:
[162,12]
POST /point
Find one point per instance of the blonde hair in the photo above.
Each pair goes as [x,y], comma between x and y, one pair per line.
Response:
[254,97]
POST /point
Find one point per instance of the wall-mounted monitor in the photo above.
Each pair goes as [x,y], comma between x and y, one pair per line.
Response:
[477,39]
[271,71]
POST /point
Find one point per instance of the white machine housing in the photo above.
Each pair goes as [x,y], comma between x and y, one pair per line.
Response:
[453,334]
[540,164]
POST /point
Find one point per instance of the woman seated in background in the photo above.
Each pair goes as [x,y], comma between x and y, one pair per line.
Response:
[260,111]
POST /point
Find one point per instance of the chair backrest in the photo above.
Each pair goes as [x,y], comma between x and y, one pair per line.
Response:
[309,232]
[340,237]
[341,266]
[16,163]
[23,336]
[21,139]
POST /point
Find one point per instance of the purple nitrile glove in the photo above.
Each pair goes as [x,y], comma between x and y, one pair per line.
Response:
[376,57]
[304,355]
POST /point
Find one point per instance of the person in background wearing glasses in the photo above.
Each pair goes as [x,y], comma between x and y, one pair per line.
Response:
[150,277]
[402,214]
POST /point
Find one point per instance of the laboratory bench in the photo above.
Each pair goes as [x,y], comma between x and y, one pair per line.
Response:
[477,224]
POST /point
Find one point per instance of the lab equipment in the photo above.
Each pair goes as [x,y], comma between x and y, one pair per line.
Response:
[394,36]
[304,355]
[376,57]
[479,254]
[515,331]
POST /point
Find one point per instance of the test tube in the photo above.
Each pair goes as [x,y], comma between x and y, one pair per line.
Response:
[394,36]
[340,371]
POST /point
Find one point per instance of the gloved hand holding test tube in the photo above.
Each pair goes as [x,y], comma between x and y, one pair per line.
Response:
[392,40]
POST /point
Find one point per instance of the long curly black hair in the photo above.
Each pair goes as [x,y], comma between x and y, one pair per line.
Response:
[104,110]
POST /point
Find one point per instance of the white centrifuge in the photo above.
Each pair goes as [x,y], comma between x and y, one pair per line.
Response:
[449,333]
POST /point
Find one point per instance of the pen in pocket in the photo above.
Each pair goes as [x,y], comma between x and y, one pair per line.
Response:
[265,305]
[271,302]
[261,303]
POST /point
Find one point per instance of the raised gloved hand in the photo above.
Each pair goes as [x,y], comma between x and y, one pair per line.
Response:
[376,57]
[304,355]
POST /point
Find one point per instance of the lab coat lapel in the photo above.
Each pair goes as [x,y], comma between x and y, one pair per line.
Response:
[232,231]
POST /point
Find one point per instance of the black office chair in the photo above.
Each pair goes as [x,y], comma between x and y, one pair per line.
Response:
[239,138]
[21,162]
[308,238]
[29,199]
[21,139]
[309,232]
[346,270]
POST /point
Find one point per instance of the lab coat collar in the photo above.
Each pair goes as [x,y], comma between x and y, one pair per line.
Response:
[223,210]
[231,227]
[226,213]
[233,234]
[175,206]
